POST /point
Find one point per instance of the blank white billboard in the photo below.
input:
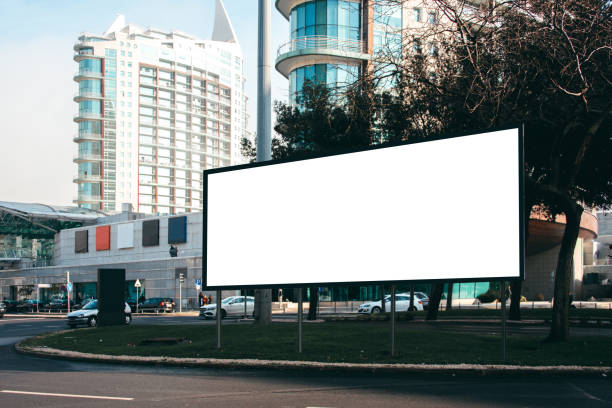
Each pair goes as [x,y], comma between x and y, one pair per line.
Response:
[448,209]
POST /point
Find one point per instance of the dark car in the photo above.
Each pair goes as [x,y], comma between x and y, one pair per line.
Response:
[132,303]
[29,305]
[157,305]
[11,305]
[58,304]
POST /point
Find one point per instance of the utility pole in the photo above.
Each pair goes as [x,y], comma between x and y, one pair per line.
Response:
[181,280]
[263,297]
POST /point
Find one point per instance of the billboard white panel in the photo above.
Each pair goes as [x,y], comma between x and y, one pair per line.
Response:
[125,235]
[448,209]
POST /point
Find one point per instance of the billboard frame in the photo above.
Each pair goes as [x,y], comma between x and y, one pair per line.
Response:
[521,207]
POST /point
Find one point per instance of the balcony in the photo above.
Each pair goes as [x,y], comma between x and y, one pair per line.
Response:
[318,49]
[79,96]
[87,74]
[87,137]
[85,54]
[285,6]
[81,116]
[87,157]
[88,178]
[87,198]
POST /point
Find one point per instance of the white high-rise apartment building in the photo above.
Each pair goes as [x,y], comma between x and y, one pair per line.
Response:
[155,109]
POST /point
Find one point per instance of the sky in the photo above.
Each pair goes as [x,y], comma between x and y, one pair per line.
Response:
[36,106]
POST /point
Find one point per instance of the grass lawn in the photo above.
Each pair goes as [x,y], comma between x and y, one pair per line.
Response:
[357,342]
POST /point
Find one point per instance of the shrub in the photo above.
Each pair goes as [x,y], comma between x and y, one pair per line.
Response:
[489,296]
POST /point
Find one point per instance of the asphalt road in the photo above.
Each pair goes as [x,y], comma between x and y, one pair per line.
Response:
[37,382]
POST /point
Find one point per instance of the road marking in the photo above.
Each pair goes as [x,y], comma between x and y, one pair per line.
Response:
[49,394]
[583,392]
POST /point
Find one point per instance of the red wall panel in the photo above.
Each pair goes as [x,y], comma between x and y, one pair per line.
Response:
[103,238]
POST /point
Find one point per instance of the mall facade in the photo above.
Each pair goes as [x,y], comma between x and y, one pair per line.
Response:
[141,244]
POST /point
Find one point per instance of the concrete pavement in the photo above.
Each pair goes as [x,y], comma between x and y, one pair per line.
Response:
[30,381]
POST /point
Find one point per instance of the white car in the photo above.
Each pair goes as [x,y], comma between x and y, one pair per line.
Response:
[88,315]
[402,304]
[231,306]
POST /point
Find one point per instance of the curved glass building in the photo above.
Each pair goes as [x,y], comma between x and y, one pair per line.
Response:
[328,42]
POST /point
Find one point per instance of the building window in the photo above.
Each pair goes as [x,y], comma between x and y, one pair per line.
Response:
[416,46]
[432,17]
[417,14]
[433,49]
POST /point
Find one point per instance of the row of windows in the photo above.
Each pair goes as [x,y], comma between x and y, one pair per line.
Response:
[151,209]
[90,106]
[90,149]
[90,86]
[332,75]
[332,18]
[389,15]
[168,182]
[90,65]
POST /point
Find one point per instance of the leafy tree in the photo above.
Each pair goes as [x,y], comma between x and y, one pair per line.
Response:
[323,121]
[541,63]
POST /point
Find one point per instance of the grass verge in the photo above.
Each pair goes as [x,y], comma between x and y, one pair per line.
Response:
[332,342]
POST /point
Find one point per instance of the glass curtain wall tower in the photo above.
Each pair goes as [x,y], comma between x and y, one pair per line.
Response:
[155,108]
[328,43]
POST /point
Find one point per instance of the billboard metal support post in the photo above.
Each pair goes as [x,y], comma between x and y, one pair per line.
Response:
[392,320]
[245,304]
[299,319]
[218,313]
[503,310]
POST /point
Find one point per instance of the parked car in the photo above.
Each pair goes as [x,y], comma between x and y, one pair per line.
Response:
[29,305]
[132,302]
[2,310]
[82,303]
[57,304]
[11,305]
[231,306]
[423,298]
[88,315]
[157,305]
[402,304]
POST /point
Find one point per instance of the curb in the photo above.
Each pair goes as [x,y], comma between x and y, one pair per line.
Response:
[443,369]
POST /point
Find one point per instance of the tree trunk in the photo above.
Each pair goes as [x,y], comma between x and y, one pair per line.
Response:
[434,300]
[449,297]
[382,298]
[515,300]
[263,306]
[411,307]
[559,330]
[516,285]
[313,304]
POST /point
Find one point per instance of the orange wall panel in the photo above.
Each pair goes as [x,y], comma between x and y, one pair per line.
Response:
[103,238]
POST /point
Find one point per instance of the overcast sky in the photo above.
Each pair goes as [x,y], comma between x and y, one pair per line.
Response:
[36,107]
